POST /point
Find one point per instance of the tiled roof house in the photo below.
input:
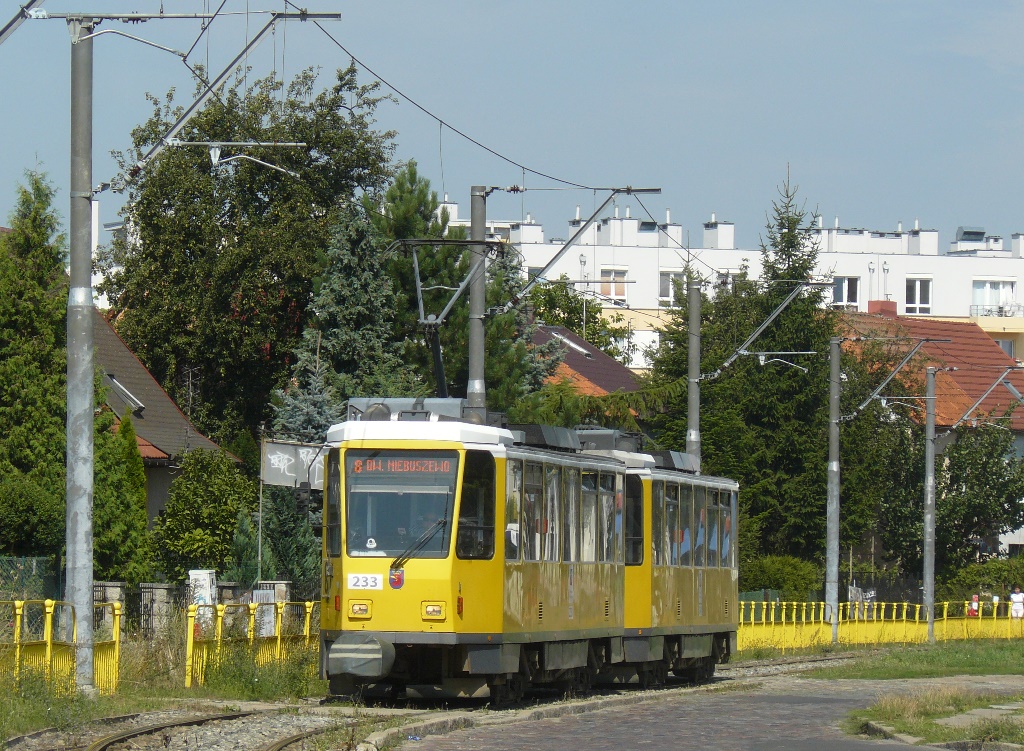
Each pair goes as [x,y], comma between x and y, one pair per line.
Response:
[590,370]
[163,432]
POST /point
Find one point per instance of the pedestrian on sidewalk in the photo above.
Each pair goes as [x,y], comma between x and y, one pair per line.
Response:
[1017,603]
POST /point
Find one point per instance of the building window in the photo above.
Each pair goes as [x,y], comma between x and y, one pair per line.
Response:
[992,297]
[1006,345]
[613,283]
[532,272]
[670,281]
[846,292]
[919,296]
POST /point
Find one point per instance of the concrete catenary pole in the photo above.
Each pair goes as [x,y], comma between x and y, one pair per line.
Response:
[475,392]
[80,406]
[832,508]
[929,504]
[693,300]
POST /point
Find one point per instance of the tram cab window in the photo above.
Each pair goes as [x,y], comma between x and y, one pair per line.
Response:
[533,500]
[713,514]
[513,506]
[551,522]
[571,532]
[610,518]
[728,507]
[672,521]
[659,532]
[475,535]
[685,524]
[590,527]
[634,512]
[333,511]
[700,515]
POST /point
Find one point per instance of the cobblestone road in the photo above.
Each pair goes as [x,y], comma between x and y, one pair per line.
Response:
[776,713]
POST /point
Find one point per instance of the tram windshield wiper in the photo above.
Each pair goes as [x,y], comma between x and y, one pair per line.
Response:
[419,543]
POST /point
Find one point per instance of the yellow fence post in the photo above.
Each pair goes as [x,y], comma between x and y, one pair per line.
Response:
[251,628]
[48,638]
[117,646]
[218,629]
[309,618]
[19,609]
[190,625]
[278,621]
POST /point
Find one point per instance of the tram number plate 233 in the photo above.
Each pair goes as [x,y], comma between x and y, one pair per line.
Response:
[365,581]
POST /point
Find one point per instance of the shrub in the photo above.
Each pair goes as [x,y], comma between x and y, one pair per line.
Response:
[797,579]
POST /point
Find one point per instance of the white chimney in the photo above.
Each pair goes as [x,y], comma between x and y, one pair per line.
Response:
[899,227]
[627,211]
[837,222]
[917,223]
[577,212]
[712,217]
[446,198]
[668,216]
[616,212]
[821,222]
[529,218]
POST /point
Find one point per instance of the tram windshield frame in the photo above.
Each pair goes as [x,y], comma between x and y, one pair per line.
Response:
[393,496]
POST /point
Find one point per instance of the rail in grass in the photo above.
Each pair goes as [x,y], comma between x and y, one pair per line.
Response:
[38,637]
[800,625]
[269,630]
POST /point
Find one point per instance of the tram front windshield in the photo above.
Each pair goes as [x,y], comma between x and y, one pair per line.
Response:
[399,502]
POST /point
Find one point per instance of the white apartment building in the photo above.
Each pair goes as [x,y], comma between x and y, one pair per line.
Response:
[630,262]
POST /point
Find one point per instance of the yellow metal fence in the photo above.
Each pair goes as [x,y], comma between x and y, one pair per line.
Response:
[799,625]
[38,637]
[269,630]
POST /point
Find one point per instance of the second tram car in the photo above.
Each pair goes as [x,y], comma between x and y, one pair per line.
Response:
[462,559]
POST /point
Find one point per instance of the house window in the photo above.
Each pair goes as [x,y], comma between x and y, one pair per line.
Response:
[670,280]
[846,292]
[919,296]
[532,272]
[613,283]
[992,297]
[1006,345]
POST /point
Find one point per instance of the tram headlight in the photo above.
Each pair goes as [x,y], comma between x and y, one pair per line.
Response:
[433,611]
[359,609]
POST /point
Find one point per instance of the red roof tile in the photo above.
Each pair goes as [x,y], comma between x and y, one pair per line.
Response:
[977,359]
[593,372]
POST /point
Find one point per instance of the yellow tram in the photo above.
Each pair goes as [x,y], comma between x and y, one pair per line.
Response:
[463,559]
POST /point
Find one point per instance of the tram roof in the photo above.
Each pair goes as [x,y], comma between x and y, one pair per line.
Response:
[394,430]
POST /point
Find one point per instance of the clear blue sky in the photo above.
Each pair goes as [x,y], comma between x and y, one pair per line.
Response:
[883,112]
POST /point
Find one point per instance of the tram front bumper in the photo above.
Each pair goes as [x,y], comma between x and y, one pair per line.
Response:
[360,655]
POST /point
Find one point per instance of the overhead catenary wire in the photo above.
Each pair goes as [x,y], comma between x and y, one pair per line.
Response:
[440,120]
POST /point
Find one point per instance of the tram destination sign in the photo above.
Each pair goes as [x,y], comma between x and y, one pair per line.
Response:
[290,464]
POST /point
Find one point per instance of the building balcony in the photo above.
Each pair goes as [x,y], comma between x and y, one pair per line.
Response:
[1012,310]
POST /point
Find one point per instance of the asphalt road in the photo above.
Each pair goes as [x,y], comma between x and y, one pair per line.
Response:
[774,713]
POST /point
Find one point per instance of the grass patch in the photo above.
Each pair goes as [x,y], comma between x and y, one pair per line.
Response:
[915,714]
[975,657]
[236,675]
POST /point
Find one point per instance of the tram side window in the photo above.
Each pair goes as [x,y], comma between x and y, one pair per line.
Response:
[609,518]
[685,525]
[672,521]
[588,551]
[571,527]
[634,521]
[713,528]
[728,504]
[551,523]
[659,532]
[700,515]
[333,521]
[476,509]
[513,505]
[533,509]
